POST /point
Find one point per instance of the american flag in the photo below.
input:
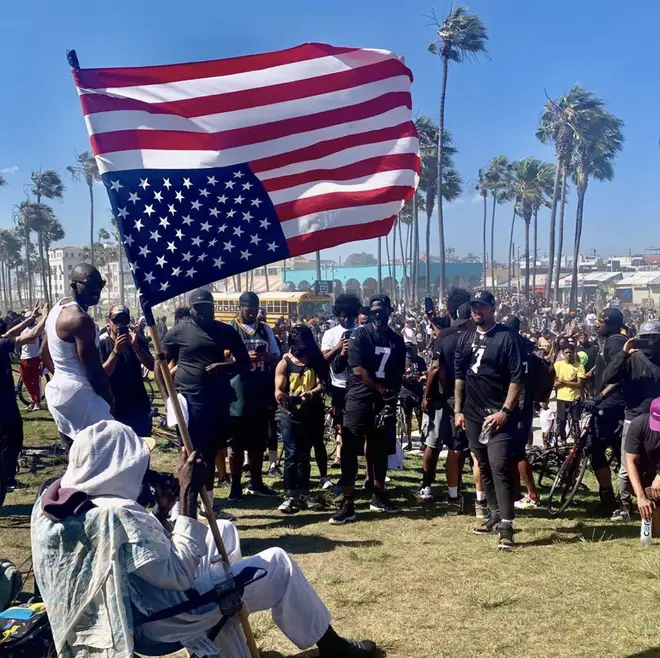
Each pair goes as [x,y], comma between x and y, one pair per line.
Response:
[214,168]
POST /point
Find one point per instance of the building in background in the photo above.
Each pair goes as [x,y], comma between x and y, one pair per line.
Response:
[62,261]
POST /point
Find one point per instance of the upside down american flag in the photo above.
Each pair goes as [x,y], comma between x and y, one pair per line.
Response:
[215,168]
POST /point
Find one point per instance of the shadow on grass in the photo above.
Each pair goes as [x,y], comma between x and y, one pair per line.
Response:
[313,653]
[649,653]
[17,512]
[301,544]
[598,533]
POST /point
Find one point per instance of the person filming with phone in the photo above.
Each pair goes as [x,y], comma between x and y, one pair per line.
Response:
[124,353]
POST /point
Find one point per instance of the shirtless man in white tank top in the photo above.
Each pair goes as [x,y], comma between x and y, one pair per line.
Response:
[79,393]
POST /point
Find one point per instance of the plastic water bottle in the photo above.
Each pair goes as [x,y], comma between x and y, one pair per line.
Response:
[484,435]
[645,534]
[228,598]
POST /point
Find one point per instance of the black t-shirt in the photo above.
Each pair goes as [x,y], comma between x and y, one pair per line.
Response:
[195,348]
[383,356]
[643,441]
[610,347]
[443,349]
[126,380]
[411,386]
[487,363]
[8,405]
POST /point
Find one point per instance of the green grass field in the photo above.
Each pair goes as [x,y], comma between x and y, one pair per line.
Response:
[423,586]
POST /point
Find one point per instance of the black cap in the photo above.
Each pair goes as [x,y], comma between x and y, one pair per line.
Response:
[463,314]
[201,296]
[613,317]
[483,297]
[248,299]
[512,322]
[383,300]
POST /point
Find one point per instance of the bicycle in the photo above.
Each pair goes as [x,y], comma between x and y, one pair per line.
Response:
[571,473]
[23,395]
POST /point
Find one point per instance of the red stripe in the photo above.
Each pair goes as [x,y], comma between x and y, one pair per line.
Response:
[330,146]
[149,75]
[125,140]
[331,237]
[338,200]
[247,98]
[348,172]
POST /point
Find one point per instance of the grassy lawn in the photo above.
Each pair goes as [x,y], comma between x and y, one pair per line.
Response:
[423,586]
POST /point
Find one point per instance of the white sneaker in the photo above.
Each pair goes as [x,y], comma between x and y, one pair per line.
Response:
[426,494]
[526,503]
[325,483]
[387,479]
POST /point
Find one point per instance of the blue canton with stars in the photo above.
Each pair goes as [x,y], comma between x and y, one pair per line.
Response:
[183,229]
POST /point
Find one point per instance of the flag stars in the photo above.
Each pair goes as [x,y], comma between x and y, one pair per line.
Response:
[149,277]
[171,209]
[145,251]
[164,286]
[204,193]
[245,254]
[134,267]
[196,242]
[239,199]
[179,234]
[164,222]
[228,246]
[158,196]
[154,235]
[116,185]
[238,231]
[139,225]
[133,197]
[186,257]
[222,199]
[187,220]
[247,216]
[272,246]
[214,212]
[213,242]
[231,213]
[144,183]
[161,262]
[238,174]
[191,272]
[195,205]
[205,227]
[176,271]
[201,258]
[211,180]
[218,262]
[128,239]
[167,184]
[122,212]
[178,195]
[171,247]
[255,239]
[186,183]
[222,228]
[247,185]
[229,185]
[264,223]
[149,210]
[256,202]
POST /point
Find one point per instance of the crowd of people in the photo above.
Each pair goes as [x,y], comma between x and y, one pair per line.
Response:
[470,376]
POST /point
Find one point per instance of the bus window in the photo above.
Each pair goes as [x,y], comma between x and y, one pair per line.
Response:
[284,308]
[276,308]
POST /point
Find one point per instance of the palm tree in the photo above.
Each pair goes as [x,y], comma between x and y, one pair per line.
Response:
[532,181]
[120,255]
[3,181]
[461,36]
[499,177]
[598,140]
[481,188]
[87,170]
[53,232]
[557,126]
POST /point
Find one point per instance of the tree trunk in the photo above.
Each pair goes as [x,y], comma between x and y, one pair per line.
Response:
[91,220]
[18,288]
[28,269]
[485,258]
[389,265]
[9,294]
[267,281]
[5,306]
[416,257]
[284,270]
[50,275]
[536,222]
[527,219]
[42,260]
[121,273]
[318,265]
[395,288]
[428,251]
[513,224]
[441,164]
[404,252]
[492,245]
[581,192]
[551,239]
[413,249]
[560,236]
[380,265]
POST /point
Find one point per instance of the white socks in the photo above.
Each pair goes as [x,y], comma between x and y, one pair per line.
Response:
[453,492]
[481,496]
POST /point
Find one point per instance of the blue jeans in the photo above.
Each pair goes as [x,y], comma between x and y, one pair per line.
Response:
[297,438]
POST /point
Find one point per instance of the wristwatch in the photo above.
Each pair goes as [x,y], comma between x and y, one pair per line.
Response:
[506,411]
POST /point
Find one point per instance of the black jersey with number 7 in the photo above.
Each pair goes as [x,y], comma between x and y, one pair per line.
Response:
[487,363]
[383,356]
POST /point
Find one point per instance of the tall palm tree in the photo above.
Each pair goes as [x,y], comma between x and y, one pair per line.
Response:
[532,181]
[499,177]
[598,140]
[557,126]
[481,188]
[87,170]
[461,36]
[120,258]
[52,232]
[3,180]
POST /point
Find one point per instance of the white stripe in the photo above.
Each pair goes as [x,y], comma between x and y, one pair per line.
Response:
[199,87]
[335,218]
[102,122]
[346,157]
[371,182]
[170,159]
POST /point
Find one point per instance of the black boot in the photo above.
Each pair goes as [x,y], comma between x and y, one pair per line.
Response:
[607,503]
[332,645]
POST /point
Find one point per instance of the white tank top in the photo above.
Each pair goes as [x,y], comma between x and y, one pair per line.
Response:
[64,355]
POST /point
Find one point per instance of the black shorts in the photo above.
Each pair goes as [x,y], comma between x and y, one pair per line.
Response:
[605,434]
[249,432]
[440,430]
[338,398]
[361,423]
[409,403]
[523,428]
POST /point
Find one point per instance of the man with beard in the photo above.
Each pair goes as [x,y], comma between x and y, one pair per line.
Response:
[488,370]
[377,359]
[79,393]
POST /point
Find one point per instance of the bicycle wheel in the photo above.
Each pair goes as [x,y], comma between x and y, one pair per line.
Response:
[329,435]
[567,482]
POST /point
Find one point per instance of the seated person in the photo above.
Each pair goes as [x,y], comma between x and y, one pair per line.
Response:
[95,549]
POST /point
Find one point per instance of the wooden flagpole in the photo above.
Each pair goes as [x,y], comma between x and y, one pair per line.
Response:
[185,437]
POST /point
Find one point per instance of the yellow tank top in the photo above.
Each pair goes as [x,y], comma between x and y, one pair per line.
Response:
[302,379]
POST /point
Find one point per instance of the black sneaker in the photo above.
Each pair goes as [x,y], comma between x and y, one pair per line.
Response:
[454,505]
[607,505]
[235,496]
[408,447]
[260,490]
[381,503]
[312,503]
[345,514]
[289,506]
[224,482]
[506,537]
[349,649]
[489,528]
[368,486]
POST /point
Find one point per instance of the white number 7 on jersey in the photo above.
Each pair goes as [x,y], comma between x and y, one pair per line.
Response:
[385,355]
[477,363]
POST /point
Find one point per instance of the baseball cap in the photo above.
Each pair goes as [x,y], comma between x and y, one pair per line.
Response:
[612,316]
[201,296]
[384,300]
[248,299]
[118,309]
[483,297]
[512,322]
[654,415]
[463,314]
[649,328]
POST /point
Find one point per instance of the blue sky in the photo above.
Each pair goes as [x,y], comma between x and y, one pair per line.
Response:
[492,108]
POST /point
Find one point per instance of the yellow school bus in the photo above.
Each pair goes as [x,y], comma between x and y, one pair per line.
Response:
[276,304]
